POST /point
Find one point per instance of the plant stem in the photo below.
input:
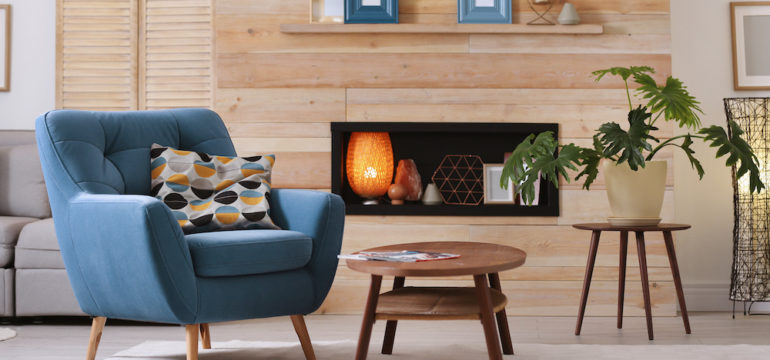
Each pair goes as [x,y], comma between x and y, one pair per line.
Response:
[668,142]
[656,118]
[628,94]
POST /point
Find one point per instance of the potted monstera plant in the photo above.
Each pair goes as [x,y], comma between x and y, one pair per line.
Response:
[625,154]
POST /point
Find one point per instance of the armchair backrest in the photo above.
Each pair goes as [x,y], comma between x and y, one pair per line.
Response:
[109,152]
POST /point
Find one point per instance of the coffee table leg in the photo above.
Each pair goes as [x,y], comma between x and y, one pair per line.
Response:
[677,280]
[390,327]
[622,275]
[487,317]
[587,280]
[502,318]
[642,252]
[368,322]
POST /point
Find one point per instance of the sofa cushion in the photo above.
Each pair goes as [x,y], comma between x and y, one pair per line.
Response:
[37,247]
[10,227]
[209,192]
[22,189]
[247,252]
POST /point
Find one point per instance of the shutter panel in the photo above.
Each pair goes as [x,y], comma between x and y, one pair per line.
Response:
[96,54]
[176,41]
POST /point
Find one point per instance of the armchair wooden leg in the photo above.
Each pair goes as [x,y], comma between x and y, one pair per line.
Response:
[192,341]
[304,338]
[205,336]
[97,326]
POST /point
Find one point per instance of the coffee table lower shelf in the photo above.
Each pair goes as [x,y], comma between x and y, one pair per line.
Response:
[435,303]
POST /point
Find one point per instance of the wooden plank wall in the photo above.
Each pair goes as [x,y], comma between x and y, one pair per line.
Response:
[278,92]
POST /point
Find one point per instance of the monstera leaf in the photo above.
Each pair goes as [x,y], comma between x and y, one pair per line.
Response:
[534,157]
[590,159]
[631,143]
[738,151]
[623,72]
[672,100]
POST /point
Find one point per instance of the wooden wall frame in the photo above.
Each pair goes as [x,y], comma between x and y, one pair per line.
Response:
[743,79]
[5,47]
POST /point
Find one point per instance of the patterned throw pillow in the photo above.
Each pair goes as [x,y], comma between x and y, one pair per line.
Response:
[208,193]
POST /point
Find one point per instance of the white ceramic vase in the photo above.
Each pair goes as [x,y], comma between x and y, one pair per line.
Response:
[636,197]
[569,15]
[431,195]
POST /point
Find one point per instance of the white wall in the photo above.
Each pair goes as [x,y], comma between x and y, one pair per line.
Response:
[33,63]
[702,58]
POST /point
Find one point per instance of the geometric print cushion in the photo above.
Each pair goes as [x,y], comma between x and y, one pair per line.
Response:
[209,193]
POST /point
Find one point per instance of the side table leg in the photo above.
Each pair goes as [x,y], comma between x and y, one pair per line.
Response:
[390,327]
[622,275]
[502,318]
[645,281]
[587,280]
[487,317]
[368,322]
[677,280]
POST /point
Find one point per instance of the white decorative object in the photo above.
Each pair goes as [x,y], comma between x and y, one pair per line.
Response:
[569,15]
[431,195]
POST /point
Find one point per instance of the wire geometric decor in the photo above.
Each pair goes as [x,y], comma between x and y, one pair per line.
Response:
[460,179]
[750,280]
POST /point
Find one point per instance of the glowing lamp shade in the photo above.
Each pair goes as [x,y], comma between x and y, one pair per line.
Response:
[369,163]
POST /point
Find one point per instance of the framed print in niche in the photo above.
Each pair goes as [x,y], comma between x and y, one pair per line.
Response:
[484,11]
[493,192]
[371,11]
[751,53]
[5,47]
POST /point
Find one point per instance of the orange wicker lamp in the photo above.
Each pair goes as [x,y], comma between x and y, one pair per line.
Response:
[369,165]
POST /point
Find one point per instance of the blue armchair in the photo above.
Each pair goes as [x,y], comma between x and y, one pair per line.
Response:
[126,255]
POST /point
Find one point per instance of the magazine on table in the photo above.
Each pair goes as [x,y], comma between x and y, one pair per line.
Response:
[399,256]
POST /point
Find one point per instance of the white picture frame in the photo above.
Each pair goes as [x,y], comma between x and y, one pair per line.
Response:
[5,47]
[751,55]
[327,11]
[493,192]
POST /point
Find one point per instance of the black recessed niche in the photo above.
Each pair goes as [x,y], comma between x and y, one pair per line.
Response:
[427,144]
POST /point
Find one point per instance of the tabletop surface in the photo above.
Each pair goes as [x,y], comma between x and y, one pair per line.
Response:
[610,227]
[475,259]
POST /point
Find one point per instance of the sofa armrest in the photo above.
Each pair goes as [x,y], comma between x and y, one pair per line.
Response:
[321,216]
[133,256]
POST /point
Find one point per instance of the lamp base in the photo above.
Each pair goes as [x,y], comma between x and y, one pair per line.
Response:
[371,201]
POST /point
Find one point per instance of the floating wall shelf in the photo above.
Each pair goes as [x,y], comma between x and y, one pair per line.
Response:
[588,29]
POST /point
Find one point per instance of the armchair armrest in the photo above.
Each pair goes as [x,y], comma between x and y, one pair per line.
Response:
[138,264]
[321,216]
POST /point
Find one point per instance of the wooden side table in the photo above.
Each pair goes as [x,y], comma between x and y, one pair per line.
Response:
[483,302]
[597,229]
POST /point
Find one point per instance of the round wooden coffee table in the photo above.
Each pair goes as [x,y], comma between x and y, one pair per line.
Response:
[481,260]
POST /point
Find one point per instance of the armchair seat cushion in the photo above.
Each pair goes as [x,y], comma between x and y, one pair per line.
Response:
[248,252]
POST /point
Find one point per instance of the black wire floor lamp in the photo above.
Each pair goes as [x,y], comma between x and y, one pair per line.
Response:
[750,280]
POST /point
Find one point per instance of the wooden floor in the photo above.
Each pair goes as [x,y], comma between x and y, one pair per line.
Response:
[64,342]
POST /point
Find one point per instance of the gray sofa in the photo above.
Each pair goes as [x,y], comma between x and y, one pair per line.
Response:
[33,281]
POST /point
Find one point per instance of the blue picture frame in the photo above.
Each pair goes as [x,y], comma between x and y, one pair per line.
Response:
[469,13]
[358,13]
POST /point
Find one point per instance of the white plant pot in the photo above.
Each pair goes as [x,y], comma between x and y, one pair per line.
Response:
[636,197]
